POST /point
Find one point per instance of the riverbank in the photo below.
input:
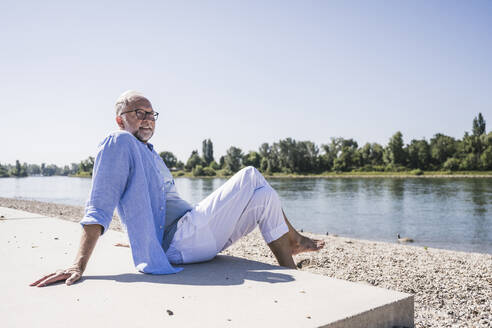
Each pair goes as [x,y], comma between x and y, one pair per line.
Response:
[354,174]
[375,174]
[452,289]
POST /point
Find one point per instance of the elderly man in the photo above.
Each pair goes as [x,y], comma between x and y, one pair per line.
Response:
[164,229]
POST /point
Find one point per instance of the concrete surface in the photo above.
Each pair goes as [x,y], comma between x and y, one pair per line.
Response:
[225,292]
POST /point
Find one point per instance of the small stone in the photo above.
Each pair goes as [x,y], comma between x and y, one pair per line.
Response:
[56,238]
[169,312]
[308,317]
[303,263]
[302,292]
[34,246]
[302,230]
[77,299]
[1,216]
[275,301]
[229,319]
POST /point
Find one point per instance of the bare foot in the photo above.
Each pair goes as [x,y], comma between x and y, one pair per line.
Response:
[305,244]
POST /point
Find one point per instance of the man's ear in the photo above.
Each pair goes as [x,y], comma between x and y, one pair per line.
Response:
[119,121]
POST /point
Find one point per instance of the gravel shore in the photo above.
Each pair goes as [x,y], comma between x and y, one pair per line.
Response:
[452,289]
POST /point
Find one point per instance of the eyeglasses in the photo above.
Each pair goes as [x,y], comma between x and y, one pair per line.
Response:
[144,115]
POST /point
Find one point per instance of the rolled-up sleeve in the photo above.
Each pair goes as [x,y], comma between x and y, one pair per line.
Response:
[112,167]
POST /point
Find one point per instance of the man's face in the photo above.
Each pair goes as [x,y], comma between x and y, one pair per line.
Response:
[142,129]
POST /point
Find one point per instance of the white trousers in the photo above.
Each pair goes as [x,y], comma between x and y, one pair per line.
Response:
[245,201]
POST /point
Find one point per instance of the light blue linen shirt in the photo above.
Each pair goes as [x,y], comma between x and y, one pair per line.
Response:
[125,176]
[176,207]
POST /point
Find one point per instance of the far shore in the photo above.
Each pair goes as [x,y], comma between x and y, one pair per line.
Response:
[336,175]
[325,175]
[450,288]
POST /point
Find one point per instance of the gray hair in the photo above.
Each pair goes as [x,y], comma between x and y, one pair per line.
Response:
[126,98]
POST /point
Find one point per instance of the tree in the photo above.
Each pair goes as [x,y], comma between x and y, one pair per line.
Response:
[418,154]
[214,165]
[52,169]
[85,167]
[478,125]
[330,153]
[371,155]
[348,157]
[288,155]
[74,168]
[193,161]
[442,147]
[308,157]
[451,164]
[233,159]
[4,172]
[208,151]
[180,165]
[19,170]
[33,169]
[208,171]
[65,170]
[169,159]
[253,158]
[486,159]
[197,171]
[264,165]
[269,158]
[264,150]
[394,153]
[469,162]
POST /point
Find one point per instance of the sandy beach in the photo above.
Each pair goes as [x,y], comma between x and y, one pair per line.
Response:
[452,289]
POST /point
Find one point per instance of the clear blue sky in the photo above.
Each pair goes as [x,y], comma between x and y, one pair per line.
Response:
[240,72]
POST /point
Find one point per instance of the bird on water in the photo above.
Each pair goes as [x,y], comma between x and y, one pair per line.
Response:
[404,239]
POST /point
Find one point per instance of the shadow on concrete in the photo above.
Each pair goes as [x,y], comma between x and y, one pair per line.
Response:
[221,271]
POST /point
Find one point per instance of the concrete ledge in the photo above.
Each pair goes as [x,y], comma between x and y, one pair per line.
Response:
[13,214]
[225,292]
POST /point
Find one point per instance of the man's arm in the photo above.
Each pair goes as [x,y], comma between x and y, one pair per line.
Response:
[111,170]
[88,241]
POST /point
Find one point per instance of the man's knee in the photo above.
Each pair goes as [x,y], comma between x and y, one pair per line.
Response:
[249,171]
[266,194]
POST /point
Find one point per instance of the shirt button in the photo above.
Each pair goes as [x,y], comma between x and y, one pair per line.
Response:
[162,188]
[162,208]
[160,227]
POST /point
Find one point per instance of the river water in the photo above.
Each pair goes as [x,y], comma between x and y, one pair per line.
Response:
[450,213]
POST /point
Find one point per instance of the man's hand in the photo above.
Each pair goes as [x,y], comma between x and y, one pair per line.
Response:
[70,276]
[90,234]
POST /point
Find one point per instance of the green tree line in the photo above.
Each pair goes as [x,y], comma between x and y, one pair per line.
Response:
[288,156]
[441,153]
[25,169]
